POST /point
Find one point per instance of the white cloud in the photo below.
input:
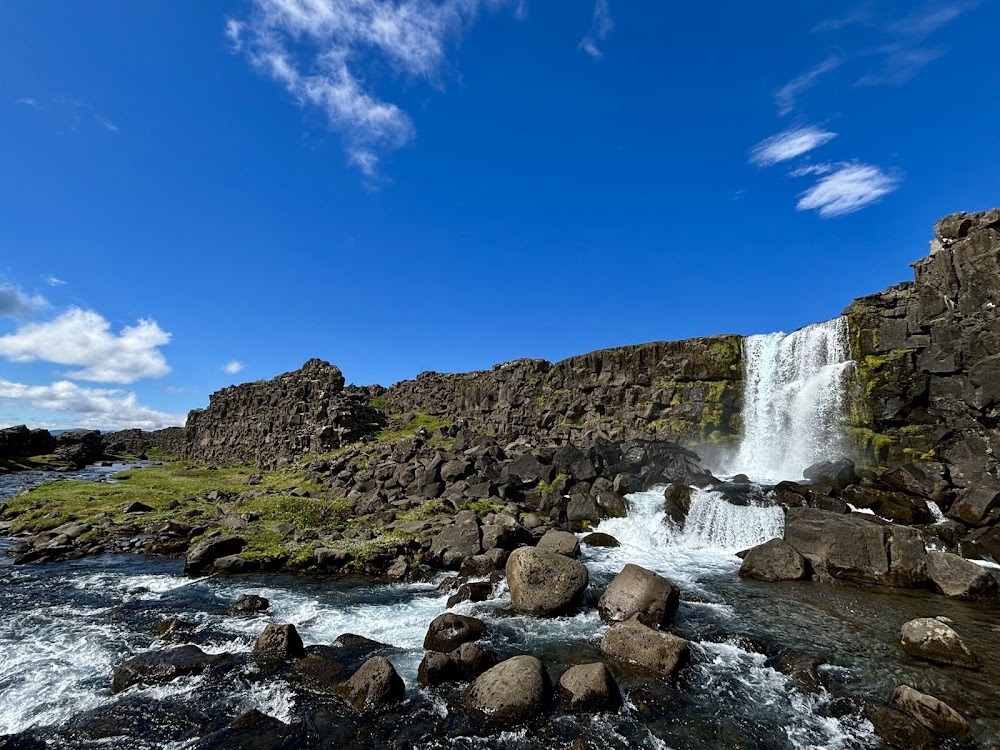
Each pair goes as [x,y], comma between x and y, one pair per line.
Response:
[900,66]
[53,281]
[174,389]
[848,188]
[233,367]
[27,101]
[16,304]
[600,28]
[96,408]
[927,19]
[789,144]
[317,49]
[83,338]
[786,96]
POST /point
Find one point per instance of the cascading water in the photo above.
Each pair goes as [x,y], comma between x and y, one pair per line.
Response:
[793,400]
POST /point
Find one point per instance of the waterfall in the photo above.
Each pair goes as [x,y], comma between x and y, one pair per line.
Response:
[714,522]
[793,400]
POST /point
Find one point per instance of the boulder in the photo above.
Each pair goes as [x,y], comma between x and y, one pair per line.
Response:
[937,716]
[931,639]
[589,688]
[456,542]
[560,542]
[200,557]
[318,673]
[249,604]
[137,507]
[449,631]
[641,593]
[975,506]
[896,729]
[544,584]
[466,662]
[157,667]
[634,643]
[857,548]
[253,731]
[600,539]
[957,577]
[375,684]
[837,473]
[774,560]
[512,691]
[470,592]
[281,641]
[611,504]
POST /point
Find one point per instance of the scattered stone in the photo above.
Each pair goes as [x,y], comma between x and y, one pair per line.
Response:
[560,542]
[318,673]
[896,729]
[459,540]
[173,625]
[281,641]
[137,507]
[512,691]
[635,643]
[200,557]
[374,685]
[600,539]
[252,731]
[449,631]
[638,592]
[775,560]
[935,715]
[249,604]
[157,667]
[931,639]
[589,688]
[544,584]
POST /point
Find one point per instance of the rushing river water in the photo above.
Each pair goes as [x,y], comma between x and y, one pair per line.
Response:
[65,627]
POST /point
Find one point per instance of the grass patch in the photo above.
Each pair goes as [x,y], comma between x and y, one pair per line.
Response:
[428,509]
[483,508]
[547,488]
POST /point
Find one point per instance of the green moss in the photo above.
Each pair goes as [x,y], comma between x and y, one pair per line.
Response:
[877,446]
[420,420]
[547,488]
[374,548]
[727,351]
[437,507]
[381,403]
[482,508]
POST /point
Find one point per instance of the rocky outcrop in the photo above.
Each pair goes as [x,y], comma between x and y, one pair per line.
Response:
[20,442]
[269,423]
[169,441]
[156,667]
[928,356]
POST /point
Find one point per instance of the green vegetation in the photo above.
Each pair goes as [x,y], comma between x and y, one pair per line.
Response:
[728,352]
[429,509]
[547,488]
[372,549]
[381,403]
[483,508]
[870,443]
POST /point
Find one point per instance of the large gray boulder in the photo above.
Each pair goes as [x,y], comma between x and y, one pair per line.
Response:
[638,592]
[544,584]
[466,662]
[449,631]
[976,506]
[375,684]
[855,547]
[934,714]
[932,639]
[561,542]
[458,541]
[199,558]
[635,643]
[589,688]
[281,641]
[774,560]
[512,691]
[957,577]
[157,667]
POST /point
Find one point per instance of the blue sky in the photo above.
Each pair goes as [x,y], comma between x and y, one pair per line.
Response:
[200,194]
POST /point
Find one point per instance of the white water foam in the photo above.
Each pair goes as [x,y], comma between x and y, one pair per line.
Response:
[793,400]
[713,522]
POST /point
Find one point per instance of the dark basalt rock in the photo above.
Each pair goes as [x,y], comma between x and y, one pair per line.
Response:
[513,691]
[634,643]
[253,731]
[279,641]
[589,688]
[155,667]
[775,560]
[249,604]
[544,584]
[374,685]
[640,593]
[199,558]
[449,631]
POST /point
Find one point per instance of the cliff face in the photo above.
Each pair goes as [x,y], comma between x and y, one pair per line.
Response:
[681,390]
[268,423]
[170,440]
[928,356]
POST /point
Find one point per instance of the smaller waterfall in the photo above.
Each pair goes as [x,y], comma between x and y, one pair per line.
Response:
[714,522]
[793,400]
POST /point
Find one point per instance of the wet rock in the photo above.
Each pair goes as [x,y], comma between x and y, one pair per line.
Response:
[774,560]
[801,667]
[600,539]
[318,673]
[857,548]
[280,641]
[478,566]
[435,668]
[589,688]
[172,626]
[937,716]
[931,639]
[200,557]
[837,473]
[896,729]
[249,604]
[449,631]
[582,511]
[544,584]
[975,506]
[677,502]
[253,731]
[957,577]
[374,685]
[560,542]
[635,643]
[641,593]
[157,667]
[514,690]
[611,504]
[470,592]
[466,662]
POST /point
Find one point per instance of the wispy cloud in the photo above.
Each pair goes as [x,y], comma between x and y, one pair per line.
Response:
[789,144]
[98,408]
[900,66]
[601,26]
[317,49]
[927,19]
[84,339]
[233,367]
[27,102]
[53,280]
[846,189]
[15,303]
[174,389]
[786,96]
